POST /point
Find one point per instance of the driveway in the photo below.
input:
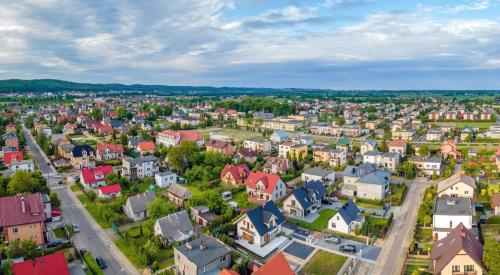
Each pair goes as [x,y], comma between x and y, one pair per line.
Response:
[366,252]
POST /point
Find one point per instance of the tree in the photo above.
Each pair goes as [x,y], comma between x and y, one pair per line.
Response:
[427,220]
[150,250]
[160,208]
[24,182]
[54,200]
[424,150]
[491,254]
[383,146]
[92,195]
[182,156]
[30,249]
[112,178]
[15,250]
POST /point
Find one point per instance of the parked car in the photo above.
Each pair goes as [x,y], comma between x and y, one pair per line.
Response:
[55,243]
[76,228]
[227,196]
[333,239]
[234,205]
[101,263]
[349,248]
[82,252]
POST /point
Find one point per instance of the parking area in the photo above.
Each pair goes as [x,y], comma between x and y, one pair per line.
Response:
[299,250]
[368,253]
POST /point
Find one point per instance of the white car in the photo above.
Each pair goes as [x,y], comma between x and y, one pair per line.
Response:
[227,196]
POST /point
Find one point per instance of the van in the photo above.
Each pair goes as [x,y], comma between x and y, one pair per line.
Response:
[227,196]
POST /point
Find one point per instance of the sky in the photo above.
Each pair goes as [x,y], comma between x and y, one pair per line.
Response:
[333,44]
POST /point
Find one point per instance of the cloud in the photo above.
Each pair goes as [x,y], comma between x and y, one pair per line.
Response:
[342,3]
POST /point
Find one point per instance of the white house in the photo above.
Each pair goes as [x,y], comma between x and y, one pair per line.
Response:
[136,207]
[165,179]
[24,165]
[259,146]
[279,136]
[347,218]
[458,185]
[449,212]
[140,168]
[264,186]
[110,191]
[326,176]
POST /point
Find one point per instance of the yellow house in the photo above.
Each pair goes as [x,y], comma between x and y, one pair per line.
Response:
[288,149]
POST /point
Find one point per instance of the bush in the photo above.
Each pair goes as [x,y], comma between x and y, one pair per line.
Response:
[92,264]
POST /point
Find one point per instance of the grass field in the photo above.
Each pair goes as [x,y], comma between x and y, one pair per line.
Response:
[324,263]
[91,208]
[324,217]
[76,188]
[460,124]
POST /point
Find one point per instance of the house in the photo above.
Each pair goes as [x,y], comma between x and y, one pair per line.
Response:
[69,129]
[277,165]
[302,140]
[388,161]
[458,185]
[289,150]
[276,265]
[449,149]
[201,215]
[434,135]
[133,142]
[279,136]
[47,206]
[334,157]
[171,138]
[458,253]
[95,177]
[177,194]
[22,217]
[204,255]
[83,156]
[259,146]
[398,146]
[305,199]
[347,218]
[12,157]
[344,144]
[264,186]
[136,207]
[10,128]
[165,179]
[369,145]
[110,191]
[495,204]
[365,181]
[466,132]
[140,168]
[428,165]
[245,154]
[326,176]
[234,174]
[260,225]
[44,265]
[219,146]
[23,165]
[65,149]
[174,228]
[109,151]
[449,212]
[406,135]
[145,147]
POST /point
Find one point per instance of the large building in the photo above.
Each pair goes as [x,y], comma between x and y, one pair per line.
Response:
[140,168]
[171,138]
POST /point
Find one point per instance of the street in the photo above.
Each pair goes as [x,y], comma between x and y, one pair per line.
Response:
[396,245]
[91,236]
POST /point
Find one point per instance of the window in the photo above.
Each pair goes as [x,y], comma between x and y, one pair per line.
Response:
[15,230]
[334,225]
[293,202]
[468,268]
[451,224]
[455,268]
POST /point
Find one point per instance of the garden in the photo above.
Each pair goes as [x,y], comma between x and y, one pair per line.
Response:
[324,263]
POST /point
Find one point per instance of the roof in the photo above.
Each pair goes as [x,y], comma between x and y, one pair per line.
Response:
[179,190]
[89,174]
[176,226]
[378,177]
[146,146]
[9,156]
[358,171]
[184,134]
[219,144]
[246,152]
[110,189]
[276,265]
[349,211]
[456,206]
[268,180]
[317,171]
[304,194]
[237,171]
[79,149]
[397,143]
[261,215]
[113,148]
[371,142]
[11,210]
[135,140]
[135,161]
[139,203]
[45,265]
[228,272]
[456,178]
[213,250]
[459,239]
[282,134]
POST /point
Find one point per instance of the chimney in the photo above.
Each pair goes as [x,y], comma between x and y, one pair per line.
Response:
[203,245]
[23,206]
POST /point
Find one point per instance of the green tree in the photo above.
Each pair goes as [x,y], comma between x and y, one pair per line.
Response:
[160,208]
[92,195]
[424,150]
[182,156]
[24,182]
[54,200]
[30,248]
[427,220]
[112,178]
[15,250]
[491,254]
[150,251]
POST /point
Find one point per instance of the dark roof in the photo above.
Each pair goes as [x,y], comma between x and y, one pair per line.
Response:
[453,206]
[349,212]
[304,194]
[212,251]
[261,215]
[79,149]
[318,171]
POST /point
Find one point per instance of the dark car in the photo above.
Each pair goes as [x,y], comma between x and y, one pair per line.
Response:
[479,207]
[54,244]
[349,248]
[333,239]
[101,263]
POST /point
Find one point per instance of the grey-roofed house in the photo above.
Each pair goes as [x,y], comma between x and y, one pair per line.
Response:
[204,255]
[136,207]
[173,228]
[326,176]
[449,212]
[428,165]
[373,185]
[260,225]
[305,199]
[177,194]
[201,215]
[388,161]
[369,145]
[134,141]
[347,218]
[139,168]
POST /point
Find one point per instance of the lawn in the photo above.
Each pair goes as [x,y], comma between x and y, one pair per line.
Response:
[91,208]
[376,221]
[76,188]
[324,263]
[59,232]
[423,234]
[363,204]
[324,217]
[413,264]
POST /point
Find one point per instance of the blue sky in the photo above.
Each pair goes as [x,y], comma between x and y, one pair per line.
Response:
[337,44]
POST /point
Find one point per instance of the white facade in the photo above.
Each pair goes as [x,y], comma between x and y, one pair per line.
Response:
[24,165]
[336,223]
[164,180]
[258,146]
[328,179]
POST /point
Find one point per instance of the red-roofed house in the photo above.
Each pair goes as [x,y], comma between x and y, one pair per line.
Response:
[264,186]
[109,151]
[9,156]
[449,148]
[10,128]
[220,146]
[146,147]
[276,265]
[171,138]
[12,142]
[398,146]
[103,129]
[95,177]
[45,265]
[110,191]
[234,174]
[228,272]
[22,217]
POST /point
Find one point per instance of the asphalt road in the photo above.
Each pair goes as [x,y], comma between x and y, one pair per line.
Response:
[91,236]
